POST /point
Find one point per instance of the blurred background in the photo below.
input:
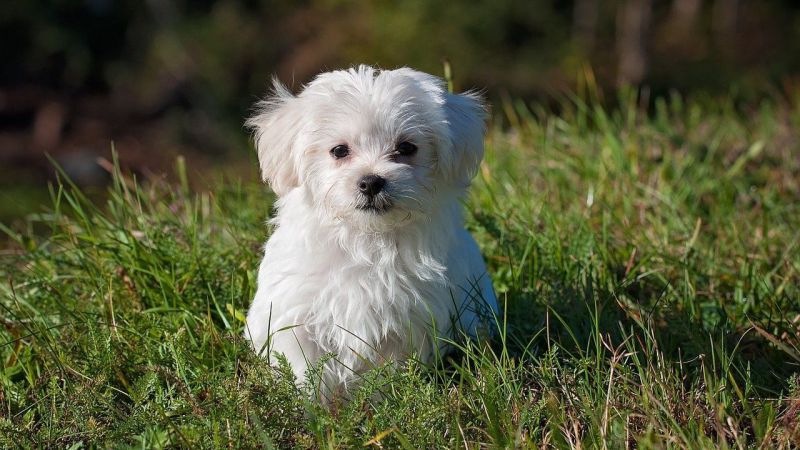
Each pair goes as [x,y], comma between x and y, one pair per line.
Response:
[161,78]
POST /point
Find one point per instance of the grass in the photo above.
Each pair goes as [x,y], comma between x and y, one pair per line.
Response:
[647,261]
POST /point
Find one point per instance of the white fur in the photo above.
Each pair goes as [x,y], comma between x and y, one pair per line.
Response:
[367,287]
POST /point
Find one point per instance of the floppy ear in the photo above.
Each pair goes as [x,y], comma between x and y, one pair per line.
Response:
[276,127]
[466,120]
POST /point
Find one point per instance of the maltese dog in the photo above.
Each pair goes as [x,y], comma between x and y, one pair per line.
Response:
[369,262]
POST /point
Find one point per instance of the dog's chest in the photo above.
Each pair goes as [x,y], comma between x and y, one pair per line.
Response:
[366,306]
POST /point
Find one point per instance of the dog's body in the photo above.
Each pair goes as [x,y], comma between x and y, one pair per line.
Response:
[369,260]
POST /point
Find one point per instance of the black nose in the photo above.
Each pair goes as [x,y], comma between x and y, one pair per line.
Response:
[370,185]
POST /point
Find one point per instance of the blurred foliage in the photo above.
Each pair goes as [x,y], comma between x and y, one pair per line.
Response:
[217,55]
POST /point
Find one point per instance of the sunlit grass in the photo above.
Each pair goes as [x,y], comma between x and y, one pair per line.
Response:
[647,264]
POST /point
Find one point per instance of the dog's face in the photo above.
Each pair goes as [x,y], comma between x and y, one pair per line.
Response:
[374,149]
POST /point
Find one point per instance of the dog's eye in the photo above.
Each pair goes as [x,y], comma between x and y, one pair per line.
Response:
[340,151]
[406,148]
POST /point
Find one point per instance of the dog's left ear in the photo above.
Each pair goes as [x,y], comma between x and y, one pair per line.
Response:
[276,126]
[466,121]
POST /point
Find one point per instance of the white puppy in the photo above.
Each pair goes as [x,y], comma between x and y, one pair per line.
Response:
[369,260]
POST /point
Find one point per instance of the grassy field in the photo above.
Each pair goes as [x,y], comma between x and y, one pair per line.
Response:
[647,262]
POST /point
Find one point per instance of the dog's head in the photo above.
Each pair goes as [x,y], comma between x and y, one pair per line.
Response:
[373,148]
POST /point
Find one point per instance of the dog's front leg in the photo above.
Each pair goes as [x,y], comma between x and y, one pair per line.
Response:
[300,350]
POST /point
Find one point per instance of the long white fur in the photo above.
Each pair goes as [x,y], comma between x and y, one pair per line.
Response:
[367,288]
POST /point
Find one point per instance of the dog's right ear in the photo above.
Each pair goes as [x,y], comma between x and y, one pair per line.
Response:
[276,126]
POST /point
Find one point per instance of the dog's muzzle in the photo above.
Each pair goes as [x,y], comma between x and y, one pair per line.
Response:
[374,197]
